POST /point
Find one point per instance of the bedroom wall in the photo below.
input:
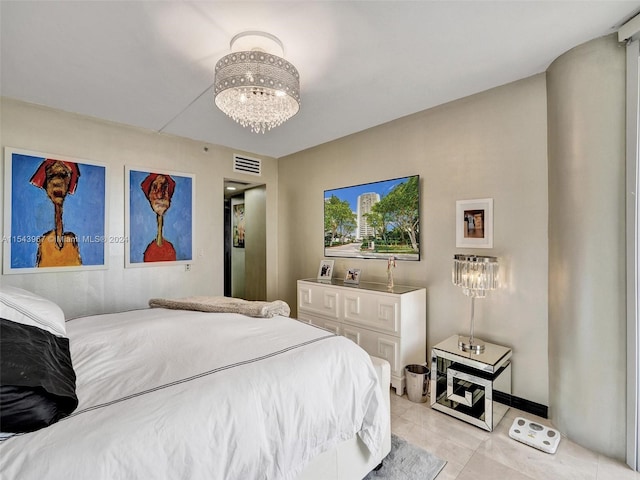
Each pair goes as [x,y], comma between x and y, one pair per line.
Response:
[47,130]
[492,144]
[587,309]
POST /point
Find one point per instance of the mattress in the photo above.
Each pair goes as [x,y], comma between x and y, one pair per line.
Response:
[185,394]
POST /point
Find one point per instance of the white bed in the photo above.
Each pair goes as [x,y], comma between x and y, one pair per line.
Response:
[184,394]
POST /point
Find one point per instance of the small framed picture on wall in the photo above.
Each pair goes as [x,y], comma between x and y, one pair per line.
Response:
[325,271]
[238,225]
[352,277]
[474,223]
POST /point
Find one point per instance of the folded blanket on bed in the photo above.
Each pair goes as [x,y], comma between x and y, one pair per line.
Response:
[225,305]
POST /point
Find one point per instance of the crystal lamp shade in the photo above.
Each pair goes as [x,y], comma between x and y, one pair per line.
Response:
[475,274]
[257,89]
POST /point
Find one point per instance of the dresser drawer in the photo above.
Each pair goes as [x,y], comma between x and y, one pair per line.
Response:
[332,326]
[319,300]
[377,344]
[377,312]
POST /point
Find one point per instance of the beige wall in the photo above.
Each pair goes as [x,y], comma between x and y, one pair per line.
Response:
[488,145]
[256,259]
[587,322]
[51,131]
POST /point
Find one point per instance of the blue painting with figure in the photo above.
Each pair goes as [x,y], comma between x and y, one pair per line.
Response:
[160,217]
[55,213]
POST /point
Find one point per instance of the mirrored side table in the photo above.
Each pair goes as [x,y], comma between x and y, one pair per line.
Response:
[463,384]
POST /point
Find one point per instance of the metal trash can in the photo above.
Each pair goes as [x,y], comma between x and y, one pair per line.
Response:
[417,378]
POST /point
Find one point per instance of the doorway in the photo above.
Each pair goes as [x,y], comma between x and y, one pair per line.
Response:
[245,240]
[633,255]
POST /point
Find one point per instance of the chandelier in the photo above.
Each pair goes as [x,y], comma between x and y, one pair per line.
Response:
[254,85]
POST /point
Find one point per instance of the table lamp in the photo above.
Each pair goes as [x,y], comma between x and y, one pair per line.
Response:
[476,275]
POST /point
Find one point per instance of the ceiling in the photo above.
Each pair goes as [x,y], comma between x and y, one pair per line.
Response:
[150,63]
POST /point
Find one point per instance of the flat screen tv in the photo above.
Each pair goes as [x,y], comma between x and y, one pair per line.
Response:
[374,220]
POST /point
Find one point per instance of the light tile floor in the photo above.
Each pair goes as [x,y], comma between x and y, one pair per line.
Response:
[473,453]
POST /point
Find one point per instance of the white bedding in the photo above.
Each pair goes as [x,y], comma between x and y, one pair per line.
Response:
[168,394]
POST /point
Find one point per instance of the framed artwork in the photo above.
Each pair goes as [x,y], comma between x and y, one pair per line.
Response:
[474,223]
[352,276]
[159,217]
[238,225]
[55,213]
[325,271]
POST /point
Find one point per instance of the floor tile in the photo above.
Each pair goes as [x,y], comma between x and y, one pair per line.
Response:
[570,461]
[450,471]
[480,467]
[609,469]
[440,445]
[473,453]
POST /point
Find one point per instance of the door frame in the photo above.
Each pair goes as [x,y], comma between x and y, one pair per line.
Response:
[633,254]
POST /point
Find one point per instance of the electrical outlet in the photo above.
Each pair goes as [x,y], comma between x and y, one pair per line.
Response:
[187,267]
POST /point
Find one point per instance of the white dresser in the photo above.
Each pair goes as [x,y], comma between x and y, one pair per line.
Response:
[387,323]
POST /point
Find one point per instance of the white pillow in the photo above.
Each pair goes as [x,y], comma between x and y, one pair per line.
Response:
[22,306]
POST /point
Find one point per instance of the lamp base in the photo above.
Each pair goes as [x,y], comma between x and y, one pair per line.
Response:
[467,345]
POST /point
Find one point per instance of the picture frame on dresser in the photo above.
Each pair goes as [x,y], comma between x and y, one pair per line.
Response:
[325,270]
[352,277]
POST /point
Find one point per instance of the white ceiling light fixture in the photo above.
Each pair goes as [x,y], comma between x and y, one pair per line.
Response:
[254,85]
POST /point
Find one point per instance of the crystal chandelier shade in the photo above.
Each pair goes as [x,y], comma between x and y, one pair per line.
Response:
[475,274]
[257,89]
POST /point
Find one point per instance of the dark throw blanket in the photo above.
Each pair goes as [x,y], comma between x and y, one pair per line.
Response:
[37,380]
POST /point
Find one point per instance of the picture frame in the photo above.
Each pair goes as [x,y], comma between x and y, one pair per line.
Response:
[159,226]
[474,223]
[238,225]
[352,276]
[55,216]
[325,271]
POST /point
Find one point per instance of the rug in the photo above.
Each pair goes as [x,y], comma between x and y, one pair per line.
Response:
[407,462]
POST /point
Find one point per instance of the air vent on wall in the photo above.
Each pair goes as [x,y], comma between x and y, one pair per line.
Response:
[248,165]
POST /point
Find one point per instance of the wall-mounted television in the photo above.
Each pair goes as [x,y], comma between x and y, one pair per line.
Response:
[374,220]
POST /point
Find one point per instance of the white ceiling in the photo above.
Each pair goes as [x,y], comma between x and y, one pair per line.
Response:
[150,63]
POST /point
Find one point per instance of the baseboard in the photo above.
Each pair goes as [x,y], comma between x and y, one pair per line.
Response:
[521,404]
